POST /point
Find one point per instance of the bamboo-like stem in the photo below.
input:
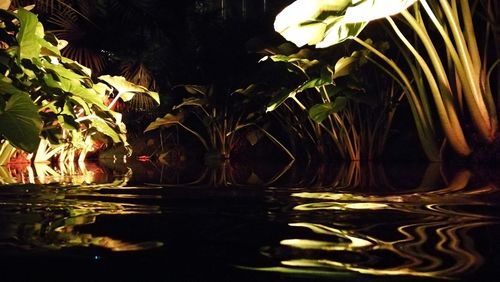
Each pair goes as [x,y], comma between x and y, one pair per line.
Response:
[470,36]
[299,103]
[483,115]
[425,133]
[334,134]
[442,92]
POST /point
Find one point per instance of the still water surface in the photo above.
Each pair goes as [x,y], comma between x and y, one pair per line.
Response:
[348,222]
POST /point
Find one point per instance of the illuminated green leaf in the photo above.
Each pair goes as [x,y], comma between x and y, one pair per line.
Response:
[343,66]
[166,121]
[88,95]
[326,23]
[29,46]
[321,111]
[279,99]
[20,122]
[285,94]
[7,87]
[369,10]
[126,89]
[61,71]
[101,126]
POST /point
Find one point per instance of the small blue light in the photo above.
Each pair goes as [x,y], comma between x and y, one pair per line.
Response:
[97,257]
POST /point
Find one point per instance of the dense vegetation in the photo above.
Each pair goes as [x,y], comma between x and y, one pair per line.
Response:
[228,84]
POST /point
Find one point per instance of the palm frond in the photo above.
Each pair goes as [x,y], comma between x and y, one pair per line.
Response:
[72,23]
[138,73]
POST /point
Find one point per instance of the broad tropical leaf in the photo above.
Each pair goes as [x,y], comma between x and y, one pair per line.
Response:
[126,89]
[285,94]
[101,126]
[29,34]
[343,66]
[321,111]
[20,122]
[279,99]
[88,95]
[328,22]
[195,102]
[166,121]
[7,86]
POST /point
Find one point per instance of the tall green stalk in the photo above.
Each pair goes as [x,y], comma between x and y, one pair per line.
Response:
[479,101]
[440,88]
[425,128]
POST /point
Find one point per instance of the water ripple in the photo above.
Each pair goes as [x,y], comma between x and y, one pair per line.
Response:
[421,234]
[34,216]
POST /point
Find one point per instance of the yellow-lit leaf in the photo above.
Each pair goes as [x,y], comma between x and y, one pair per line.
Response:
[127,89]
[166,121]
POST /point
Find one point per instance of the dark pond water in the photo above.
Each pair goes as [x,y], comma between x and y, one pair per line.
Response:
[234,222]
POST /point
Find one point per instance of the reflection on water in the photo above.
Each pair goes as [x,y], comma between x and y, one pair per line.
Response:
[415,232]
[338,221]
[49,216]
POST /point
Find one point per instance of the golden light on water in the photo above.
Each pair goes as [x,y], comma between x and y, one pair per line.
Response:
[341,206]
[426,232]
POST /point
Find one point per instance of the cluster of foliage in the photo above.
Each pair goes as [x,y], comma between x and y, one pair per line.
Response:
[215,119]
[46,96]
[337,98]
[346,102]
[445,94]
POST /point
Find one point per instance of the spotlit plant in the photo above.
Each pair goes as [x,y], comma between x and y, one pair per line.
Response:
[432,70]
[220,120]
[342,103]
[46,96]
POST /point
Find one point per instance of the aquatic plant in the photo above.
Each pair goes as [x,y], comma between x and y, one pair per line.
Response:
[220,120]
[344,99]
[326,23]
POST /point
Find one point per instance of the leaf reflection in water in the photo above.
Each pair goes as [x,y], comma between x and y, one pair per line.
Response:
[422,234]
[49,208]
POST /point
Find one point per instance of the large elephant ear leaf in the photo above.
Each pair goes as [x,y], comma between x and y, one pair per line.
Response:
[20,122]
[102,126]
[326,23]
[339,32]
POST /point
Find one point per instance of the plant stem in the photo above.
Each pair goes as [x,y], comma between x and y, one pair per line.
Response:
[483,115]
[195,134]
[424,129]
[442,92]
